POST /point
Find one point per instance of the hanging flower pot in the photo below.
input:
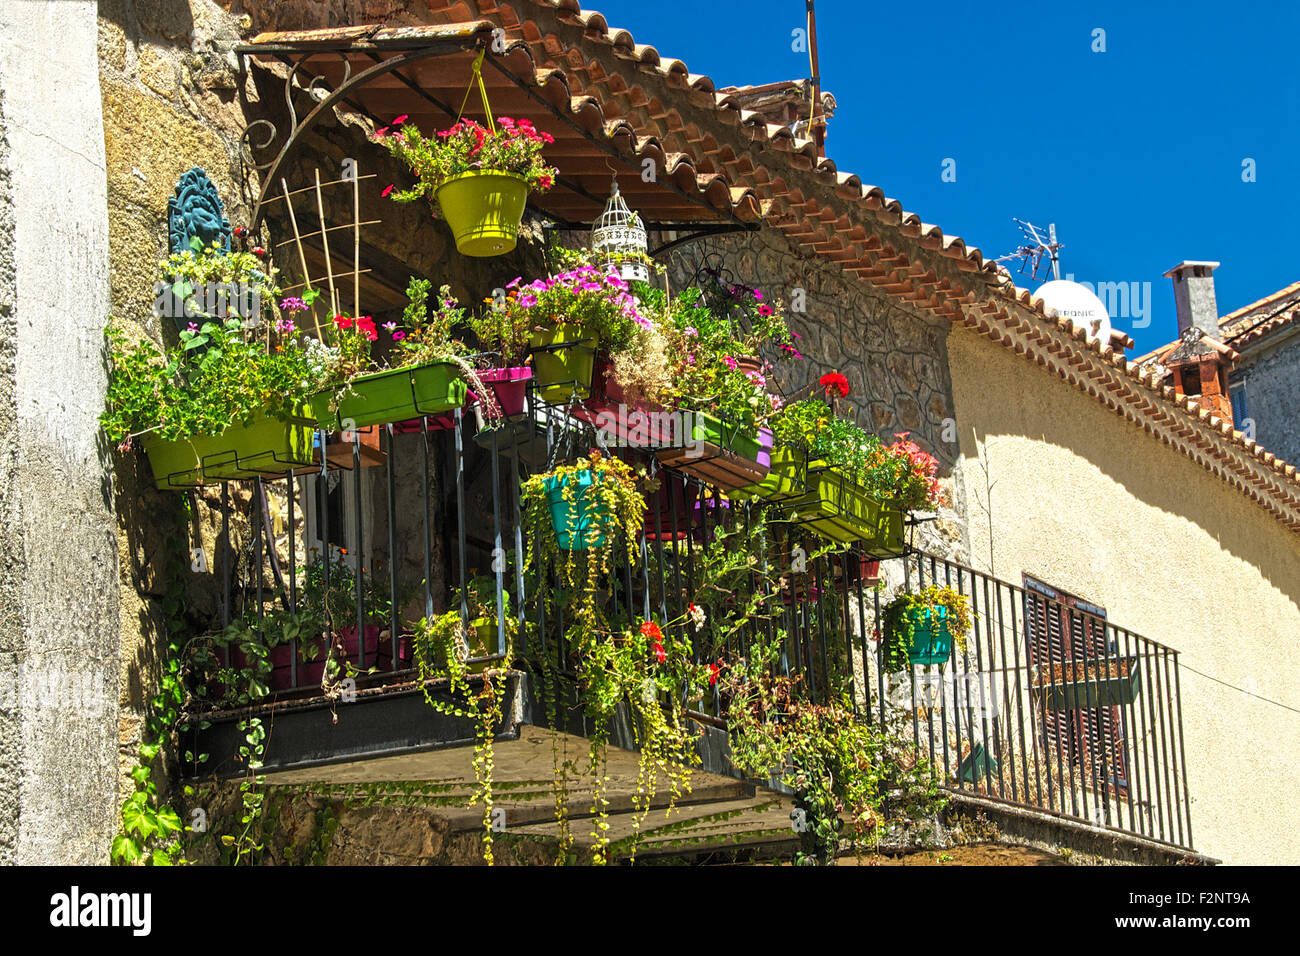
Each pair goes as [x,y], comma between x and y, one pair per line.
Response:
[723,454]
[840,511]
[394,395]
[563,360]
[931,638]
[1100,682]
[483,209]
[484,642]
[578,517]
[265,445]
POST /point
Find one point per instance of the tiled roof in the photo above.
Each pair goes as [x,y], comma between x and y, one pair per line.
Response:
[657,103]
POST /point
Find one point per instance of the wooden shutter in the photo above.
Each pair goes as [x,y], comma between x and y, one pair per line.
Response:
[1063,629]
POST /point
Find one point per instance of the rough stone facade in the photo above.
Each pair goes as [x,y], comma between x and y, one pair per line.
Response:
[1271,378]
[58,587]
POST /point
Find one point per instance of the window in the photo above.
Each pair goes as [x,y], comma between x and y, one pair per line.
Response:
[1239,414]
[1061,629]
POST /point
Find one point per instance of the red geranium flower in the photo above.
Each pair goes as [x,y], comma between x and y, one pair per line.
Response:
[834,380]
[713,672]
[343,321]
[387,189]
[660,656]
[651,630]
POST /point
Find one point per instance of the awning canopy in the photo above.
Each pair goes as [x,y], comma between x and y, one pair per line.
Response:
[378,73]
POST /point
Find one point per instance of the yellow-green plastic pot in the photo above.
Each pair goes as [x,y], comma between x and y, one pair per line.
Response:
[264,446]
[483,209]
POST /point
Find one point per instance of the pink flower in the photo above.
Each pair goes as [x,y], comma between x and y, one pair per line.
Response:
[731,363]
[758,297]
[764,310]
[399,335]
[400,120]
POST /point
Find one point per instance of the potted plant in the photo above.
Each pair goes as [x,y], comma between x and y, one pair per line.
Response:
[480,599]
[921,628]
[1096,682]
[505,335]
[570,316]
[219,406]
[478,177]
[723,438]
[587,505]
[432,375]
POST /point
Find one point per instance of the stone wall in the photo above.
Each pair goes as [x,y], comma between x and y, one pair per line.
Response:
[169,97]
[1272,396]
[58,588]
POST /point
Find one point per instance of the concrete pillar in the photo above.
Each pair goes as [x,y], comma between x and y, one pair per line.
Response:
[59,649]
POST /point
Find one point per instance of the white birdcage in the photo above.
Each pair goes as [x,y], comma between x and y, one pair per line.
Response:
[618,238]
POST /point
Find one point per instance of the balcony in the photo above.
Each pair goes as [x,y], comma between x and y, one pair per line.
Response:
[1041,707]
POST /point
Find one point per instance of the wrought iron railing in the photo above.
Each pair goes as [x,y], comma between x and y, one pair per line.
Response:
[1043,704]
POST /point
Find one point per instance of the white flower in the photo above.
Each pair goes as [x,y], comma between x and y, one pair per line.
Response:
[697,615]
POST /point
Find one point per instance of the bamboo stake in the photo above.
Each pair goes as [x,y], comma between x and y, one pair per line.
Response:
[325,241]
[302,256]
[356,242]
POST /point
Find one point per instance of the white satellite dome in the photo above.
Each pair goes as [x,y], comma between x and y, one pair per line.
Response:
[1080,305]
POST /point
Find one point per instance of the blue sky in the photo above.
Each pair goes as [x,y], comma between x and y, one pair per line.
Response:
[1135,153]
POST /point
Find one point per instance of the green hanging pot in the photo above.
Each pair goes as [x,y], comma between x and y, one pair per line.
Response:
[841,511]
[483,207]
[578,518]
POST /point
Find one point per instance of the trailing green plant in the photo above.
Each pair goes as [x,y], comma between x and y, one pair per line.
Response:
[442,647]
[900,616]
[842,767]
[221,375]
[151,830]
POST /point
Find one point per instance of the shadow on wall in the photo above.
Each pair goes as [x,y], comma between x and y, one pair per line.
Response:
[1008,405]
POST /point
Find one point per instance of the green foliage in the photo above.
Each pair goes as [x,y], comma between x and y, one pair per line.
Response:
[220,376]
[513,147]
[899,624]
[842,767]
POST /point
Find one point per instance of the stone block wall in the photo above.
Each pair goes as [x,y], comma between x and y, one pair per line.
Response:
[1272,382]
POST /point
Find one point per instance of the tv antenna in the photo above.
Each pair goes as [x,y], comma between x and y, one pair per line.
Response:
[1036,254]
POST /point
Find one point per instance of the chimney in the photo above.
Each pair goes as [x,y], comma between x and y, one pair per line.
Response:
[1194,297]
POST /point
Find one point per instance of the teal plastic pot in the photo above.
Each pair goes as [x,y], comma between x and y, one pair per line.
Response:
[579,523]
[931,639]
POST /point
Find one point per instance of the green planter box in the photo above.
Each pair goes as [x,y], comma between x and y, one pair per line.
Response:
[396,395]
[841,511]
[785,480]
[563,359]
[719,453]
[263,446]
[1100,691]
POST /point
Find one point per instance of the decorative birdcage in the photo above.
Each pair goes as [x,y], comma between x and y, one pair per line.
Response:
[619,239]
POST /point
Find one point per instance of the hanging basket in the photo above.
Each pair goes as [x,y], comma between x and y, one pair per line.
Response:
[931,639]
[840,511]
[579,519]
[483,209]
[265,446]
[563,359]
[722,454]
[509,387]
[1098,683]
[395,395]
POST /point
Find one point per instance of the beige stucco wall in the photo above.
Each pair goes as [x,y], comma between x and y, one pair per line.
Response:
[1090,503]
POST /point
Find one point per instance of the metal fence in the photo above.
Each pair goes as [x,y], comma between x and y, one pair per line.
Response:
[1043,703]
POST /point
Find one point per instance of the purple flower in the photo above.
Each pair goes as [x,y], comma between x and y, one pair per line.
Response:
[193,327]
[526,301]
[293,304]
[390,326]
[285,326]
[689,330]
[399,335]
[758,296]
